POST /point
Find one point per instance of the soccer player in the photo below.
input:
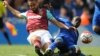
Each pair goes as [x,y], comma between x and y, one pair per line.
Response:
[96,17]
[37,24]
[2,25]
[66,41]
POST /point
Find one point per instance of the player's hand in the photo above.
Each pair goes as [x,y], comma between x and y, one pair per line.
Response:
[5,3]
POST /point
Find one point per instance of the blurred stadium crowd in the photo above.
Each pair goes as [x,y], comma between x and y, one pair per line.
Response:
[81,8]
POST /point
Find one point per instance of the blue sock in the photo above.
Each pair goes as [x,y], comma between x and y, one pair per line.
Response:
[53,45]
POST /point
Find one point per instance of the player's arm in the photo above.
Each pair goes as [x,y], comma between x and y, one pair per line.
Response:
[53,20]
[13,11]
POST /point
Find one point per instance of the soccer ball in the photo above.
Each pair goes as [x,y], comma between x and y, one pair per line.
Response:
[86,37]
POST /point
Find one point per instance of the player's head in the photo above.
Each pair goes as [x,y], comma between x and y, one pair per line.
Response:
[33,4]
[76,21]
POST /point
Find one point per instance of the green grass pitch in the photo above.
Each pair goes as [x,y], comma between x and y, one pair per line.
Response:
[26,50]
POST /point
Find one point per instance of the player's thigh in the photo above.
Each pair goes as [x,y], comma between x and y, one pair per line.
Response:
[35,36]
[68,41]
[70,44]
[46,39]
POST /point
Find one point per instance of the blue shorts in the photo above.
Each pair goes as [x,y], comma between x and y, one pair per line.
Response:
[96,19]
[67,41]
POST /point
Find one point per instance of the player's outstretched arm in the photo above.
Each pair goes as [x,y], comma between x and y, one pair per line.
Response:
[59,24]
[53,20]
[13,11]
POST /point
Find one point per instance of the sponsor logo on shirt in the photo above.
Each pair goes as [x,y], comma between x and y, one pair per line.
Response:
[34,17]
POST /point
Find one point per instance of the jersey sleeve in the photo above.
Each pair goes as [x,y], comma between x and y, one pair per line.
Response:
[23,15]
[49,15]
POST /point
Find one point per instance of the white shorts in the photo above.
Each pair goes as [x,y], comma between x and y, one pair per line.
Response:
[43,34]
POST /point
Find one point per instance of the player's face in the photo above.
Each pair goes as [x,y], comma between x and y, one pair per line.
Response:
[33,4]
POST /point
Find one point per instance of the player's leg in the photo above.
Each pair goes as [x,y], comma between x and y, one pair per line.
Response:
[96,23]
[63,50]
[74,51]
[51,48]
[46,41]
[71,45]
[41,40]
[4,31]
[49,51]
[75,39]
[35,41]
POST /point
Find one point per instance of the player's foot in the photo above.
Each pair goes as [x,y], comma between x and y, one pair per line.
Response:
[48,52]
[37,50]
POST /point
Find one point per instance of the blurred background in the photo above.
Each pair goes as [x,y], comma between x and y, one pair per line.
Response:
[82,8]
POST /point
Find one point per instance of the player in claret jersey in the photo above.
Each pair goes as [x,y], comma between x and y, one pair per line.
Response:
[96,17]
[37,24]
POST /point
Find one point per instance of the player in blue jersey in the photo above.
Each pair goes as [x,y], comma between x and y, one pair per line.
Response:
[96,17]
[66,41]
